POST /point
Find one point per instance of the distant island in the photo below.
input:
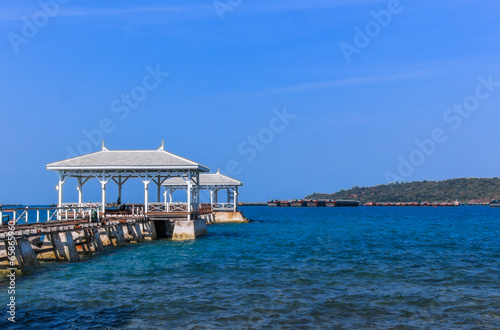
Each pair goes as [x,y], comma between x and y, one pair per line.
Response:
[473,190]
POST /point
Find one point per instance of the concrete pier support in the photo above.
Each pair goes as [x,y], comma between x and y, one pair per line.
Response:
[189,229]
[133,233]
[82,241]
[6,246]
[148,230]
[94,240]
[28,256]
[230,217]
[47,245]
[104,236]
[64,246]
[61,246]
[116,236]
[209,218]
[24,256]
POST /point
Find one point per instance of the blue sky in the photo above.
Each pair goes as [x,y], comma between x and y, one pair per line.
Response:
[353,119]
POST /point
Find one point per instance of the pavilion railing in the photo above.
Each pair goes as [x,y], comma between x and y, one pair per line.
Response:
[171,207]
[177,207]
[157,207]
[27,215]
[223,207]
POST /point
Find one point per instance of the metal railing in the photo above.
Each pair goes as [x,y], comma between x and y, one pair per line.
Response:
[125,210]
[26,215]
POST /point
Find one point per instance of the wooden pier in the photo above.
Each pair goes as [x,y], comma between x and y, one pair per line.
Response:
[30,235]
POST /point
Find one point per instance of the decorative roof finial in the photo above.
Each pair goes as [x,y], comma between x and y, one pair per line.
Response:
[103,147]
[218,171]
[162,148]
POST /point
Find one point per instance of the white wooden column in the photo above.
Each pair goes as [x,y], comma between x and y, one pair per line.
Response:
[189,187]
[104,183]
[235,198]
[60,192]
[79,188]
[146,194]
[59,188]
[211,197]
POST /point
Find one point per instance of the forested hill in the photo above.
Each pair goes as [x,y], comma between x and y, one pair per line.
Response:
[463,190]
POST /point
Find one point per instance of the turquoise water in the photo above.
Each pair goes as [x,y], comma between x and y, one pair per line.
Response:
[360,267]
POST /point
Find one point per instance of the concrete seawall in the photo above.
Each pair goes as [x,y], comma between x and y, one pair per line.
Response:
[225,217]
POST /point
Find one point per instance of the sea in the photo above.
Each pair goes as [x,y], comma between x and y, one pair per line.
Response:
[290,268]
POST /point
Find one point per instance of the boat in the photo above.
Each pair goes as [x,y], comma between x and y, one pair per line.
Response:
[330,203]
[273,203]
[285,204]
[495,203]
[347,203]
[297,203]
[312,203]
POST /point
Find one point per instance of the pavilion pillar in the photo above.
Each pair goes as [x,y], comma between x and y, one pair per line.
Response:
[60,193]
[146,181]
[146,196]
[120,192]
[79,187]
[196,197]
[189,189]
[211,197]
[235,198]
[159,190]
[103,196]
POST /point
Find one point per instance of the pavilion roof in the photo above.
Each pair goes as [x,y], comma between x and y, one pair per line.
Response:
[206,179]
[127,160]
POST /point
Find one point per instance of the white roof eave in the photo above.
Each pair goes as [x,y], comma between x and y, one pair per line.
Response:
[127,168]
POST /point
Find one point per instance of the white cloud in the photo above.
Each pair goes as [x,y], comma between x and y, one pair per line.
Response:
[13,14]
[338,83]
[314,4]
